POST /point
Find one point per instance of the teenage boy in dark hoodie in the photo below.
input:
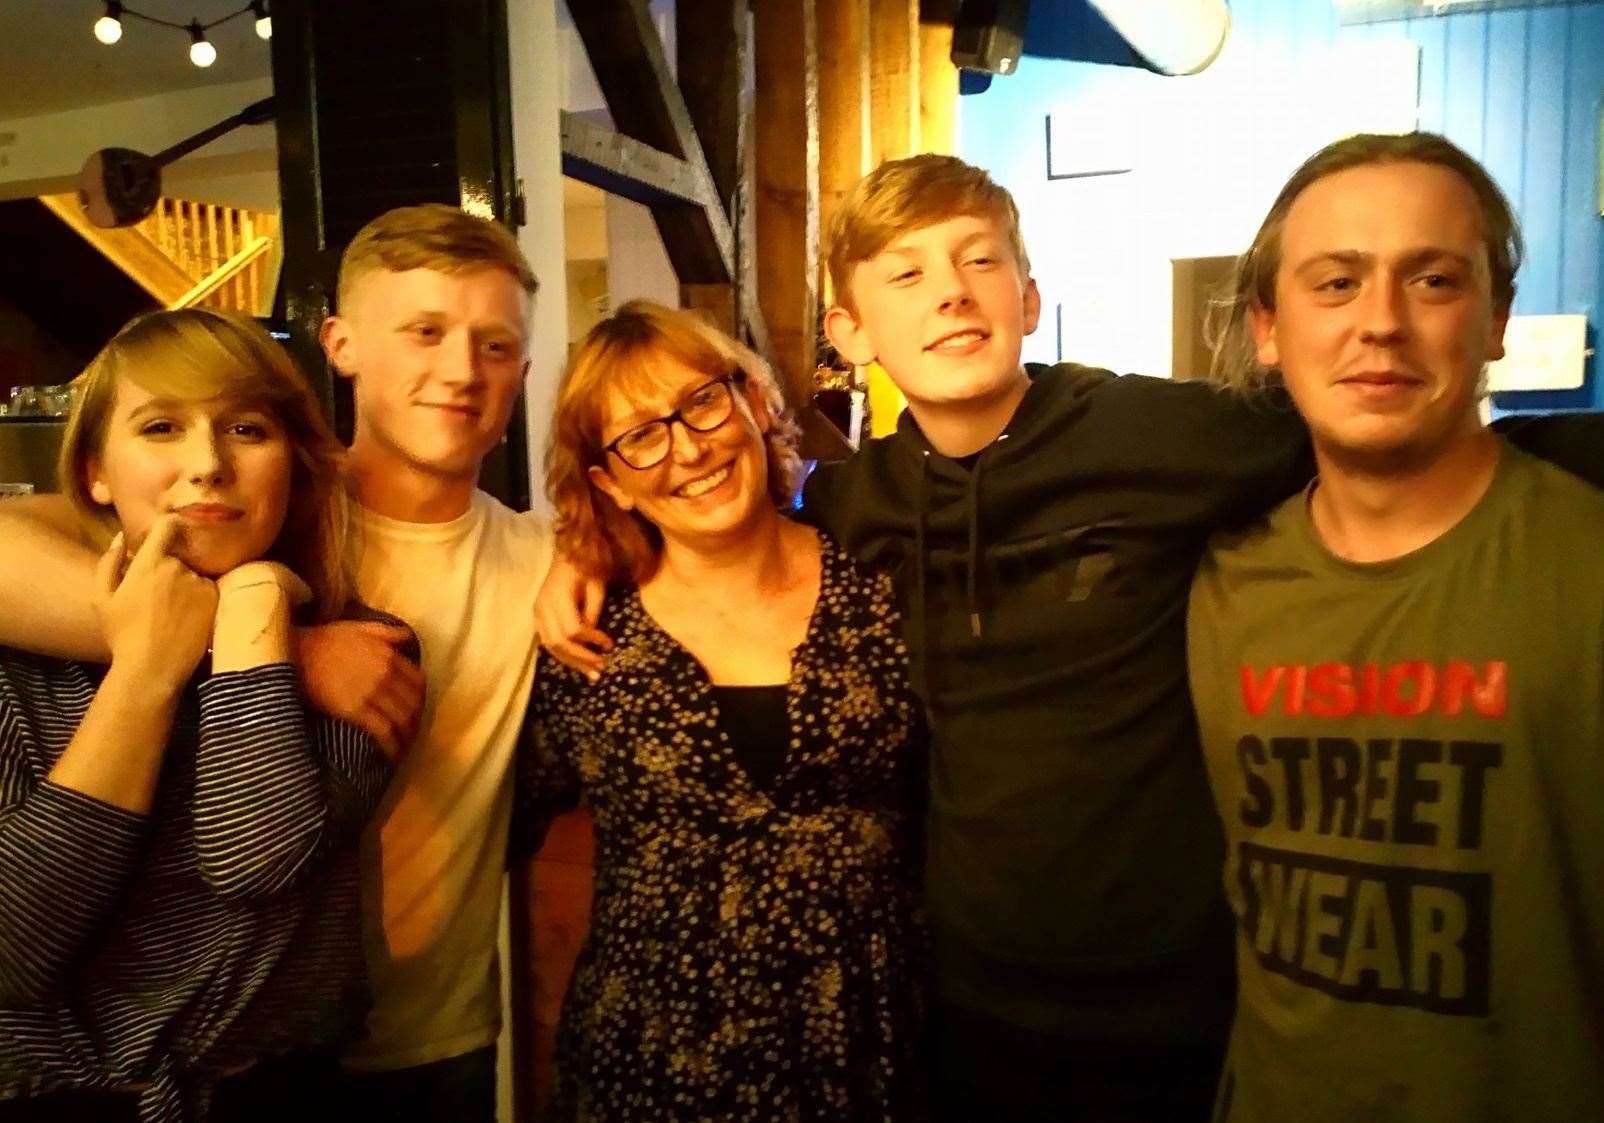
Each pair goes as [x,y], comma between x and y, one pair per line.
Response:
[1044,524]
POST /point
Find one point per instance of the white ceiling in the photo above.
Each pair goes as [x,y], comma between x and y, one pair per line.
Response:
[50,59]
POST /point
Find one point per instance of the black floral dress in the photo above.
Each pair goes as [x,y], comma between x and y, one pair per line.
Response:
[752,954]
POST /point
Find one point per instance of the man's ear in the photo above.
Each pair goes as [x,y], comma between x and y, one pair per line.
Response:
[848,337]
[99,490]
[608,486]
[1495,342]
[1262,320]
[335,336]
[1032,305]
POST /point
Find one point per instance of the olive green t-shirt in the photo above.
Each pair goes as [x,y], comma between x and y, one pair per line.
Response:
[1409,761]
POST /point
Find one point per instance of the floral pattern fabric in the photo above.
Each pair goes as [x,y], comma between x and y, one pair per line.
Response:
[753,954]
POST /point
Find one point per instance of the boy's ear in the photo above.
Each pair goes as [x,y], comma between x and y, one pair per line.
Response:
[848,337]
[335,336]
[1032,305]
[602,482]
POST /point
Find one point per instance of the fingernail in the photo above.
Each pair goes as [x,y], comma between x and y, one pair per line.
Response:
[593,676]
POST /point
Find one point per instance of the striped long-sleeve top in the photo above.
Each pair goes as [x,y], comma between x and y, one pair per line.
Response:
[160,952]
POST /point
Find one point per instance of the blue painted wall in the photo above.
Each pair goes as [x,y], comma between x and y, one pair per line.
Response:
[1521,90]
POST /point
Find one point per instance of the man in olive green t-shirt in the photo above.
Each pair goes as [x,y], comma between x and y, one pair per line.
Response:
[1399,678]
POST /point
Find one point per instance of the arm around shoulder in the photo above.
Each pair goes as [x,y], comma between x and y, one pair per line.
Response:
[47,569]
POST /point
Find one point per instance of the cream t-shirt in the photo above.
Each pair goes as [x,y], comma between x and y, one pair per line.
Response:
[433,858]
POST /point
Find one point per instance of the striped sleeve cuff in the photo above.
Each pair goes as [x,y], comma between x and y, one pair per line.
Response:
[65,858]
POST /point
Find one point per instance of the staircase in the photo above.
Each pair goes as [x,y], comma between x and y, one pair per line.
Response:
[188,254]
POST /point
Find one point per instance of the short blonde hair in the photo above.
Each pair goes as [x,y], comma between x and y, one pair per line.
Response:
[195,354]
[430,236]
[620,353]
[1229,325]
[910,194]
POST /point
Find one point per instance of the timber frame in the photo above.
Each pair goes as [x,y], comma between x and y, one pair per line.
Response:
[757,143]
[725,158]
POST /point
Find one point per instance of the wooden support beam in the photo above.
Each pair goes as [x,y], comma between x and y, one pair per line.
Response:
[843,108]
[627,56]
[894,80]
[938,89]
[786,142]
[713,42]
[624,166]
[714,47]
[748,304]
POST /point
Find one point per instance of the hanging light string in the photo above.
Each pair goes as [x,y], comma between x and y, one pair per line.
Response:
[109,28]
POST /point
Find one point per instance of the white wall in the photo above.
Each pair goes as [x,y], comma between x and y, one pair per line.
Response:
[637,264]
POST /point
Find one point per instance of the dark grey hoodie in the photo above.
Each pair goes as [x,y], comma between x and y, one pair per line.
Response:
[1074,853]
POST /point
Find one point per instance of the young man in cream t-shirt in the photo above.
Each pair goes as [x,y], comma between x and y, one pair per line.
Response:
[432,331]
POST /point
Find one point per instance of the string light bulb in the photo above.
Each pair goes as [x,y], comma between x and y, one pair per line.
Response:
[109,27]
[201,51]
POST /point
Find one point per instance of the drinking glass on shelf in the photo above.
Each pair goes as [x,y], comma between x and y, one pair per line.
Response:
[24,401]
[54,401]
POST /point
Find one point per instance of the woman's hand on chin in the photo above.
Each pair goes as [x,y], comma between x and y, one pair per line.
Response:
[157,613]
[252,626]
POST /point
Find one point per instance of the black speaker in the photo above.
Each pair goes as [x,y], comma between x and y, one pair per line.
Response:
[989,35]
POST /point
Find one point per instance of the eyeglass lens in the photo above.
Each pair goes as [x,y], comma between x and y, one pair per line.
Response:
[706,409]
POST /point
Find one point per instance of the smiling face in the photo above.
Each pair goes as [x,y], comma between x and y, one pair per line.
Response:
[945,309]
[223,465]
[437,360]
[1384,317]
[710,485]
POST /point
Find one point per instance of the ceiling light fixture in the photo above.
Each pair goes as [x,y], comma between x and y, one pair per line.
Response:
[264,22]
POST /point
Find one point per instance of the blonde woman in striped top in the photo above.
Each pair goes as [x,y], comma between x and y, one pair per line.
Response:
[178,904]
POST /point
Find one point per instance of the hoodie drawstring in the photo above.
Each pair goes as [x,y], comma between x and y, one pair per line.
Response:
[916,648]
[972,583]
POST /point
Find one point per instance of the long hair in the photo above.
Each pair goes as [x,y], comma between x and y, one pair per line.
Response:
[196,353]
[620,353]
[1229,325]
